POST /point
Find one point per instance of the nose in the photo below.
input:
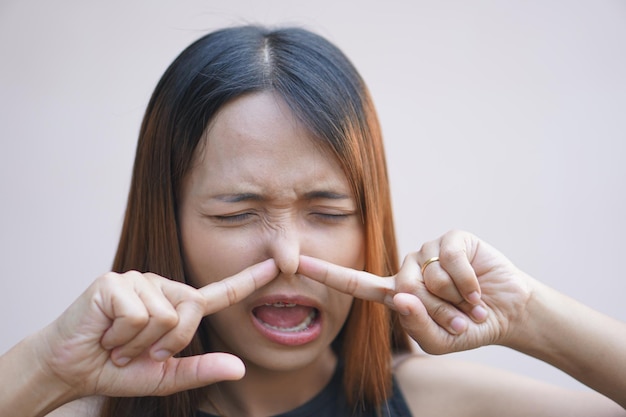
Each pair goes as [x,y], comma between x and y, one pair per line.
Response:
[284,248]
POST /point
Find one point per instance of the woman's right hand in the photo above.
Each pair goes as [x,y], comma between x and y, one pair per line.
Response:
[118,337]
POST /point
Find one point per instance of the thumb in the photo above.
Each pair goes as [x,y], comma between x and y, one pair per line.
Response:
[420,325]
[191,372]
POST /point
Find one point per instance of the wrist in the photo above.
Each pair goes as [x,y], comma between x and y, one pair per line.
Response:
[552,328]
[30,388]
[527,332]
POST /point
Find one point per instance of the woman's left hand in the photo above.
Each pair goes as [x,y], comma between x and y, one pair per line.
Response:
[455,293]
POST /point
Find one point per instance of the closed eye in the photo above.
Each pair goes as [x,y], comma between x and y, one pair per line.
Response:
[332,217]
[233,218]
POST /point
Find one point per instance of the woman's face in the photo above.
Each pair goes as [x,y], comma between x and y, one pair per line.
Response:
[261,188]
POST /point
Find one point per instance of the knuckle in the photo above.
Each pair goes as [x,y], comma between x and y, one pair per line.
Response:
[168,319]
[108,279]
[137,320]
[456,234]
[109,276]
[151,276]
[435,284]
[450,254]
[231,292]
[132,274]
[429,247]
[352,284]
[410,257]
[324,275]
[409,286]
[194,297]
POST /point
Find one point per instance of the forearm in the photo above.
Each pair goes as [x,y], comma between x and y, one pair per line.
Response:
[26,388]
[589,346]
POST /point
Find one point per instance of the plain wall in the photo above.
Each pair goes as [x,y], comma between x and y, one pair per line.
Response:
[504,118]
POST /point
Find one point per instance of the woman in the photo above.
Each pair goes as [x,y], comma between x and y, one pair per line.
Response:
[259,199]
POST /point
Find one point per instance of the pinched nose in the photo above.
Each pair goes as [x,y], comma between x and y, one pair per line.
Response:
[284,247]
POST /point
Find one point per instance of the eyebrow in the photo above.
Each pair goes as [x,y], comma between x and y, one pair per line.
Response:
[312,195]
[236,198]
[325,195]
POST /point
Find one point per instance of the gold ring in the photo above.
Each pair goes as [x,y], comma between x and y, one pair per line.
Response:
[428,262]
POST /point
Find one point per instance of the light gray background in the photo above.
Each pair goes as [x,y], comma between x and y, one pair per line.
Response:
[505,118]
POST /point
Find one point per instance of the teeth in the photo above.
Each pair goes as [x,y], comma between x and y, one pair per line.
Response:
[280,304]
[300,327]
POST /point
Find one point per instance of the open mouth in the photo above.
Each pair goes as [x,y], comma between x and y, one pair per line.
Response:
[285,316]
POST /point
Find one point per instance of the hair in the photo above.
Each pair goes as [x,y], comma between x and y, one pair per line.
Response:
[328,96]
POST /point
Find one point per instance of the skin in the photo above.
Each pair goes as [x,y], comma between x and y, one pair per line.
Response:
[261,187]
[118,337]
[514,311]
[131,315]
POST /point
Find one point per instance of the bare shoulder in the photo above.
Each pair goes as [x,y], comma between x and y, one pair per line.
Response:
[443,386]
[85,407]
[434,386]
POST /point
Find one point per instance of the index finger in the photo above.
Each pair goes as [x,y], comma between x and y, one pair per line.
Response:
[359,284]
[228,291]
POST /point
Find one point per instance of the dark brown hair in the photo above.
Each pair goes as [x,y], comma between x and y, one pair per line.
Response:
[329,97]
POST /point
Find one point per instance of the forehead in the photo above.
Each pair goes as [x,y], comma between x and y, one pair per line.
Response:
[253,123]
[257,141]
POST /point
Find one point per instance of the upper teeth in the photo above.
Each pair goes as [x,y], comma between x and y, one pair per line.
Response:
[281,304]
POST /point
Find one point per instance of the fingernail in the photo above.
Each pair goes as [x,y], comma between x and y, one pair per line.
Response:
[404,305]
[474,297]
[388,301]
[121,361]
[479,313]
[458,325]
[161,355]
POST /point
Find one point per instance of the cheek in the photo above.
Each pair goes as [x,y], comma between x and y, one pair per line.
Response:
[345,248]
[337,311]
[344,305]
[224,329]
[210,256]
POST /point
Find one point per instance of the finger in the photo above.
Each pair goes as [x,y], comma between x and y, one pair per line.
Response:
[190,372]
[440,283]
[434,275]
[453,256]
[163,317]
[443,315]
[413,272]
[408,279]
[222,294]
[124,307]
[411,287]
[359,284]
[188,303]
[432,336]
